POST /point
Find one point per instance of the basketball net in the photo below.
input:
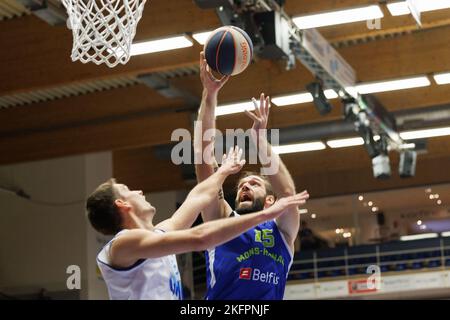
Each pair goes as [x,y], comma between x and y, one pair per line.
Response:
[103,30]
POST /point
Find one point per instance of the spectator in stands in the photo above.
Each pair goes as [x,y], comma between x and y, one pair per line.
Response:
[395,232]
[309,240]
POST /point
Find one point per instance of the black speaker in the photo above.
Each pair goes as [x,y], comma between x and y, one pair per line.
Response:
[274,30]
[407,164]
[320,100]
[380,218]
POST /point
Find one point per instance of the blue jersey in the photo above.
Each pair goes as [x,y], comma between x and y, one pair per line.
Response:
[253,266]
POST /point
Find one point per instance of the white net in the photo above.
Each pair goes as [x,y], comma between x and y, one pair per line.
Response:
[103,30]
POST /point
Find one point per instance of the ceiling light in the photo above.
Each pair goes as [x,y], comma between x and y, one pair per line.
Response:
[167,44]
[374,209]
[428,190]
[234,108]
[398,8]
[370,203]
[442,78]
[419,222]
[352,91]
[439,202]
[392,85]
[423,227]
[419,236]
[360,198]
[431,196]
[330,94]
[408,146]
[427,133]
[338,17]
[201,37]
[436,196]
[299,147]
[338,231]
[445,234]
[401,8]
[303,211]
[343,143]
[292,99]
[313,216]
[347,235]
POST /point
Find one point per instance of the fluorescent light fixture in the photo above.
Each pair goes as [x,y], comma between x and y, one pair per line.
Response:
[427,133]
[442,78]
[299,147]
[302,97]
[303,211]
[343,143]
[401,8]
[166,44]
[352,91]
[299,98]
[338,17]
[407,146]
[201,37]
[330,94]
[398,8]
[419,236]
[234,108]
[292,99]
[392,85]
[445,234]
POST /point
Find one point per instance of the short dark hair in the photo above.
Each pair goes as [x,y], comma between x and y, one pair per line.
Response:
[102,212]
[269,189]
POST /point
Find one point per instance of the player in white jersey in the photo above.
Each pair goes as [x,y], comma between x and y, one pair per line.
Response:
[139,263]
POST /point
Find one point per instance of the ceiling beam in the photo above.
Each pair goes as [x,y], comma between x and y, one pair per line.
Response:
[323,173]
[82,124]
[83,109]
[38,55]
[136,130]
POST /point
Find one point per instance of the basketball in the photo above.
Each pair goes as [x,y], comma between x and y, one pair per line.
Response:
[228,50]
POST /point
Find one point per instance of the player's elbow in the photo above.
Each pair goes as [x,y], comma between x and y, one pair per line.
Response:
[202,239]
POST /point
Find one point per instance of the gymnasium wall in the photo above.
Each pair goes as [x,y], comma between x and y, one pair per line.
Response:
[39,241]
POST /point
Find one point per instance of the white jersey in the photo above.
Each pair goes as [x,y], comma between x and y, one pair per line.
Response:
[147,279]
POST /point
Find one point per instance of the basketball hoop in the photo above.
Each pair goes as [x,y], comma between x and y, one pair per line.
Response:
[103,30]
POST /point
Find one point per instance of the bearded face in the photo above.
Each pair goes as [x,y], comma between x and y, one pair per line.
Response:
[251,195]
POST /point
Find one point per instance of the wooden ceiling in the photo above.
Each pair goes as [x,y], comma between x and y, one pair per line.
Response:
[53,107]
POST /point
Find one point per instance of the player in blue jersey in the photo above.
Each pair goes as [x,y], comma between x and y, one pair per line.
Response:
[254,265]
